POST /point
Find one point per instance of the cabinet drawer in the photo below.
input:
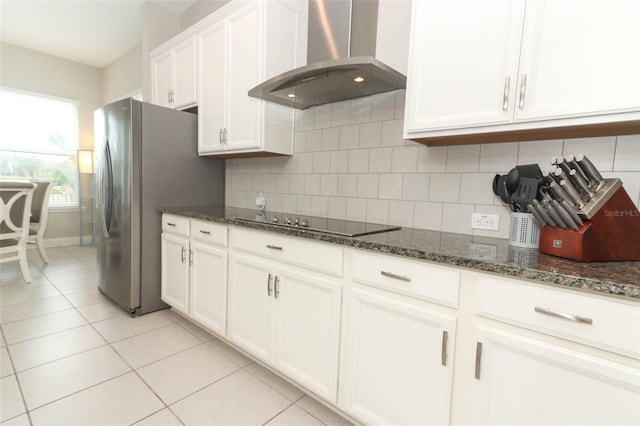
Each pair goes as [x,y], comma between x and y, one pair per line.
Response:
[308,254]
[175,224]
[408,277]
[209,232]
[606,324]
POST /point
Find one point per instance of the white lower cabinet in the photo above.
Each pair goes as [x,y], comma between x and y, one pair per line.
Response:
[208,285]
[397,340]
[194,270]
[523,380]
[175,271]
[417,342]
[288,317]
[397,361]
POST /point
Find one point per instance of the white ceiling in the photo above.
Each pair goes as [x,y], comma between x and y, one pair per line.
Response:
[91,32]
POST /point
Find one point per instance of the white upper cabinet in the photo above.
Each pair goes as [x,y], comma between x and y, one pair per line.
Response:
[506,65]
[579,58]
[173,74]
[244,44]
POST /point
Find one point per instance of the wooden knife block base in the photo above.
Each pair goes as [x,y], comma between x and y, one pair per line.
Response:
[612,234]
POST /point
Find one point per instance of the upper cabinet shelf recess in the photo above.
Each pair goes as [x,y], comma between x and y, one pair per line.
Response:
[509,70]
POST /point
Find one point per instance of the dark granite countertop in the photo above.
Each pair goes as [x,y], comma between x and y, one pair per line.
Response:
[478,253]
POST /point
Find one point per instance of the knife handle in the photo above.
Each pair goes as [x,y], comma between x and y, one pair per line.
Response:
[572,193]
[531,209]
[588,167]
[571,160]
[555,215]
[577,180]
[566,217]
[543,213]
[574,215]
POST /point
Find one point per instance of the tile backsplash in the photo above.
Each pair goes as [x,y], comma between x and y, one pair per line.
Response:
[351,162]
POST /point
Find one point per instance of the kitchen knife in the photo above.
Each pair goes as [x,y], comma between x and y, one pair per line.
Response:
[571,160]
[578,182]
[573,194]
[531,209]
[558,175]
[555,215]
[566,217]
[574,215]
[543,213]
[590,170]
[558,192]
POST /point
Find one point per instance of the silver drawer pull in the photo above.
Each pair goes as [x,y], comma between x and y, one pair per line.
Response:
[171,224]
[274,247]
[443,355]
[395,276]
[205,232]
[570,317]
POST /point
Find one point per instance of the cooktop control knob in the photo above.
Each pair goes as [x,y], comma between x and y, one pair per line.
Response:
[296,222]
[287,221]
[275,219]
[304,223]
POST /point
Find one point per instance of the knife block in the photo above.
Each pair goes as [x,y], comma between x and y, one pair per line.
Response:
[613,233]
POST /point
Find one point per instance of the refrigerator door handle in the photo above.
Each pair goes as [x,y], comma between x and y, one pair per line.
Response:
[105,172]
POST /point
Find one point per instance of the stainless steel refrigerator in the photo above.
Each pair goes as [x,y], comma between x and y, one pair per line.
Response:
[147,157]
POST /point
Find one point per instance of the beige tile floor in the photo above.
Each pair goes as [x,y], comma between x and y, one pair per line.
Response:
[68,356]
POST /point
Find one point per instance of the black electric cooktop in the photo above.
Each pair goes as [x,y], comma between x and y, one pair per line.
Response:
[345,228]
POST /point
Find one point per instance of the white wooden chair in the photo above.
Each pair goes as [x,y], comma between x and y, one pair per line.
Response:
[15,210]
[39,216]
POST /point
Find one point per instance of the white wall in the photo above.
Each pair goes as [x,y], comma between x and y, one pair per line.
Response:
[158,25]
[123,76]
[198,11]
[36,72]
[350,162]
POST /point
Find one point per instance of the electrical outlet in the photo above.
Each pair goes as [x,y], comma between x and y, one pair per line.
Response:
[487,222]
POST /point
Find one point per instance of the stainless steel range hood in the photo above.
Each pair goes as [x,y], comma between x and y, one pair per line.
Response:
[340,57]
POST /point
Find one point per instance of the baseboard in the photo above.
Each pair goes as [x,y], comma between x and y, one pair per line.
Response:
[65,241]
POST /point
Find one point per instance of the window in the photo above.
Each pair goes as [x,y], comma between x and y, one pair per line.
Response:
[39,141]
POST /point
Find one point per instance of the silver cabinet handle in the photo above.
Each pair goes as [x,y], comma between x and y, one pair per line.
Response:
[478,359]
[395,276]
[205,232]
[505,94]
[269,246]
[445,339]
[221,137]
[225,135]
[182,254]
[276,289]
[269,285]
[190,257]
[523,90]
[171,224]
[570,317]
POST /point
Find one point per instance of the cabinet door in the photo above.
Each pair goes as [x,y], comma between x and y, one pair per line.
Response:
[463,63]
[243,73]
[307,330]
[250,304]
[184,55]
[398,360]
[208,304]
[580,58]
[526,381]
[174,281]
[211,86]
[162,79]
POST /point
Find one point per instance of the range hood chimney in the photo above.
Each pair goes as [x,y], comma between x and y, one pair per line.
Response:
[340,57]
